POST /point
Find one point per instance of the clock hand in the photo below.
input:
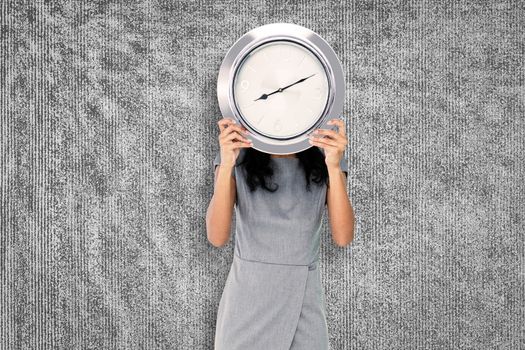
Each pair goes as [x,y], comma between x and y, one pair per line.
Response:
[297,82]
[265,96]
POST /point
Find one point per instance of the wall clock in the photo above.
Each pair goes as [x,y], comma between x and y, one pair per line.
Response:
[281,81]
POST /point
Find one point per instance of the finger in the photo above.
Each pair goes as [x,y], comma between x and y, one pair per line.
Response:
[313,143]
[340,125]
[235,145]
[330,133]
[225,122]
[323,145]
[241,145]
[233,128]
[325,141]
[235,136]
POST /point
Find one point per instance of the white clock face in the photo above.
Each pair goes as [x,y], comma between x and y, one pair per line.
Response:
[281,89]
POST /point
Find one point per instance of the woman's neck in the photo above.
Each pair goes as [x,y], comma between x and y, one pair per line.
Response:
[289,155]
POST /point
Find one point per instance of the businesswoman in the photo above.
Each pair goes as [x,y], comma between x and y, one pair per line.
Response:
[273,297]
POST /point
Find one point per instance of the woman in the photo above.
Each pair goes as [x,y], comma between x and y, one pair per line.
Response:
[273,297]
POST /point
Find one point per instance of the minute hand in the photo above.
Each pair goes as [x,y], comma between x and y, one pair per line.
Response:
[297,82]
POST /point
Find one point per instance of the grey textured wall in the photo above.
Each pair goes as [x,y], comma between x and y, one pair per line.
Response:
[108,134]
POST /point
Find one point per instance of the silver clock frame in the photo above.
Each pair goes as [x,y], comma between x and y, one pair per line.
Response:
[278,32]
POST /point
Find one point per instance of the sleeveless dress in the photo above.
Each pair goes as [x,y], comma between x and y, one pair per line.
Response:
[273,297]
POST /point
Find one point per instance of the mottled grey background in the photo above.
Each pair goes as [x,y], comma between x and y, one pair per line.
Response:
[108,134]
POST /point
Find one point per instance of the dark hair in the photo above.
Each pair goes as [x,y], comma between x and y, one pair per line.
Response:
[259,169]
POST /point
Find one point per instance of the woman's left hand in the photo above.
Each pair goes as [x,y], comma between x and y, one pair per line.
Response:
[333,143]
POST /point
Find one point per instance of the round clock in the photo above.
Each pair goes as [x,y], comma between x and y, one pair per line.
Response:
[281,81]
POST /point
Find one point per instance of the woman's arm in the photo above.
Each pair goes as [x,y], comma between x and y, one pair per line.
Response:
[220,210]
[340,211]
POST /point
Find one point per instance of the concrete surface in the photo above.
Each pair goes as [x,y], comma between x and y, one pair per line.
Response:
[108,134]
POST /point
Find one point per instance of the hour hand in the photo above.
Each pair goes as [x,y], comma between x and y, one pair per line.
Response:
[265,96]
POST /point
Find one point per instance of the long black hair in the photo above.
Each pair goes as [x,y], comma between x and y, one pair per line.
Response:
[259,169]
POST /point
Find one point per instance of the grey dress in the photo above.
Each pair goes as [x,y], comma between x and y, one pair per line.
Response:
[273,297]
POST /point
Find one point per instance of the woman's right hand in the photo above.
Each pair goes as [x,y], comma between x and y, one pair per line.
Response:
[231,140]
